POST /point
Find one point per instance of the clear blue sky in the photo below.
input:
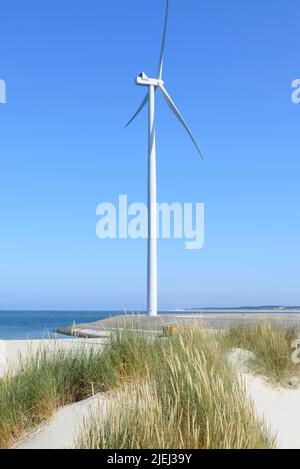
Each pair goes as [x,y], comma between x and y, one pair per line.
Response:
[69,67]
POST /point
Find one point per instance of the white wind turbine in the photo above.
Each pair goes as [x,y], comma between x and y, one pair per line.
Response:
[153,84]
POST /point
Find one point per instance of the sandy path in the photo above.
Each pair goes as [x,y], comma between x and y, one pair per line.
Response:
[279,406]
[64,428]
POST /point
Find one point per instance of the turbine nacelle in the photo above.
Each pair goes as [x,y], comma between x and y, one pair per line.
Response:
[143,80]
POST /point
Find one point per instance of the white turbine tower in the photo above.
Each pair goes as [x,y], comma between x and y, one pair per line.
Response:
[153,84]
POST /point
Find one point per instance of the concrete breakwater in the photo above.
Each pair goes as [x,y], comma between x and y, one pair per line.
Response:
[155,325]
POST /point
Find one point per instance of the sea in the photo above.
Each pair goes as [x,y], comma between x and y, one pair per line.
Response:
[42,324]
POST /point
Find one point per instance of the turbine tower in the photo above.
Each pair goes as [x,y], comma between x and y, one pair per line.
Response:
[153,85]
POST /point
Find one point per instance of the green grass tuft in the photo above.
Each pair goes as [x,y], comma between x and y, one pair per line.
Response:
[46,381]
[185,395]
[272,346]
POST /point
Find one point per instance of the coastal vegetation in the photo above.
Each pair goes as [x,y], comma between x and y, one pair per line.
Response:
[272,346]
[48,380]
[183,395]
[177,391]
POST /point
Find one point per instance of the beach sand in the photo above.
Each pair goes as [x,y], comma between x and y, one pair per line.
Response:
[12,350]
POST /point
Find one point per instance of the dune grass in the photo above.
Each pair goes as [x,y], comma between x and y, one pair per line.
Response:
[46,381]
[174,392]
[272,346]
[184,395]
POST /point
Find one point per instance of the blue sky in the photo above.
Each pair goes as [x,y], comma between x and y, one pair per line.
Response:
[69,69]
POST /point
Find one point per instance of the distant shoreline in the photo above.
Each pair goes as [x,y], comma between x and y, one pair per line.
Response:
[206,309]
[234,310]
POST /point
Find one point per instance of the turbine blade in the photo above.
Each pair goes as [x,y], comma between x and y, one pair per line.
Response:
[173,107]
[144,102]
[161,60]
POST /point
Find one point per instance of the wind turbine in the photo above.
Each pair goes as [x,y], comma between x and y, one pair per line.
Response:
[153,85]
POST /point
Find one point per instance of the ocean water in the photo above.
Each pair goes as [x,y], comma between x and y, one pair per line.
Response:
[41,324]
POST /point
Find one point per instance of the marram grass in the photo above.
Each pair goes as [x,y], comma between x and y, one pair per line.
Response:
[183,395]
[46,381]
[272,346]
[174,392]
